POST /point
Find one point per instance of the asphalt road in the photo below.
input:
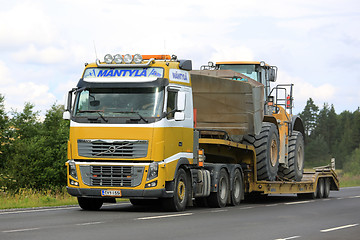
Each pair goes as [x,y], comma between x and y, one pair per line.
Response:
[337,217]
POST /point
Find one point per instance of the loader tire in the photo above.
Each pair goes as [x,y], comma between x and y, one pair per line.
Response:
[295,168]
[267,151]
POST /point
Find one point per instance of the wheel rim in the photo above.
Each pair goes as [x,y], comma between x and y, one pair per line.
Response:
[181,191]
[222,188]
[273,152]
[300,158]
[237,188]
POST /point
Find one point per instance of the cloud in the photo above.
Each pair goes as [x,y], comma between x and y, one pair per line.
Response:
[17,93]
[304,90]
[26,22]
[48,55]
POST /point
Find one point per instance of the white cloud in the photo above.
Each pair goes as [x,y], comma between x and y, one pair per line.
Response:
[225,53]
[46,55]
[304,90]
[26,22]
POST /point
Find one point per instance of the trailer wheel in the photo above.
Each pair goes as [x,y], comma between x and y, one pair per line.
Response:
[220,197]
[295,168]
[181,192]
[320,188]
[237,188]
[90,204]
[326,187]
[267,151]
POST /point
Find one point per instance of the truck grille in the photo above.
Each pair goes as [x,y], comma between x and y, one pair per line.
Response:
[113,148]
[112,176]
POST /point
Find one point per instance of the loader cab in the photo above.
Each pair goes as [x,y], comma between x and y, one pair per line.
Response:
[258,71]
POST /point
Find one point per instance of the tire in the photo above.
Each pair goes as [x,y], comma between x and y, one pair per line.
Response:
[219,198]
[237,188]
[320,189]
[327,186]
[295,168]
[178,202]
[267,151]
[90,204]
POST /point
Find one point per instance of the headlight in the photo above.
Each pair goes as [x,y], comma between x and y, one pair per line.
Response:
[128,58]
[72,169]
[108,58]
[137,58]
[118,59]
[153,170]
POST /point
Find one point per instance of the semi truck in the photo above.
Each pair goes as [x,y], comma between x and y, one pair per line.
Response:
[150,129]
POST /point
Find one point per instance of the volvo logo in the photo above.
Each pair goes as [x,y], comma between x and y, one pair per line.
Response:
[112,149]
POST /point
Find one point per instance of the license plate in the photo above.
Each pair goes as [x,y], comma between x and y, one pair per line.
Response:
[111,193]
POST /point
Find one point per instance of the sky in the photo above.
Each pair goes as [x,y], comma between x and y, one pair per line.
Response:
[314,44]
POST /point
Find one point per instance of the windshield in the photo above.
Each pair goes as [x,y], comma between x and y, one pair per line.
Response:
[246,69]
[119,105]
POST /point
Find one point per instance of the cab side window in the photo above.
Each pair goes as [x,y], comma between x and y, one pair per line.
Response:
[171,104]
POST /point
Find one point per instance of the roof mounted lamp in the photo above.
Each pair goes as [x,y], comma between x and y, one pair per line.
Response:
[128,58]
[137,58]
[108,58]
[118,59]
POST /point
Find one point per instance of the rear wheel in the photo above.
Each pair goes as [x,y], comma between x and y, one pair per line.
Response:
[320,189]
[237,188]
[181,192]
[220,197]
[326,187]
[295,168]
[267,151]
[90,204]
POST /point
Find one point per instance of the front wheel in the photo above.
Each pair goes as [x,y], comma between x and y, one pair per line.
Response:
[181,192]
[90,204]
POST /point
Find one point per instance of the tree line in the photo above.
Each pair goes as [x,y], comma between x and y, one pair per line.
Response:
[331,135]
[33,151]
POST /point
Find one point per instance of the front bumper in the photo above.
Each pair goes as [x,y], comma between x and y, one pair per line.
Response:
[125,193]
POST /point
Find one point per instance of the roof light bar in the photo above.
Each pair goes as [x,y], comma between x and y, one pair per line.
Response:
[118,59]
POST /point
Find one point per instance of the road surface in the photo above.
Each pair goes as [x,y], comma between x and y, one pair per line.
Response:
[274,218]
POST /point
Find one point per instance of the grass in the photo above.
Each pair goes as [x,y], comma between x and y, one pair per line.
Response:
[28,198]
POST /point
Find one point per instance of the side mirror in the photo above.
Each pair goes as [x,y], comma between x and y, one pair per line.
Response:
[181,101]
[66,115]
[179,116]
[272,75]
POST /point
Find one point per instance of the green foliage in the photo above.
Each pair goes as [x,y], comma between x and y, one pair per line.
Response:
[352,163]
[330,135]
[36,151]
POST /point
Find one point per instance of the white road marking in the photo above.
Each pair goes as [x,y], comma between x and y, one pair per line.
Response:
[36,210]
[288,238]
[89,223]
[54,209]
[20,230]
[245,208]
[270,205]
[291,203]
[221,210]
[165,216]
[338,228]
[326,199]
[354,197]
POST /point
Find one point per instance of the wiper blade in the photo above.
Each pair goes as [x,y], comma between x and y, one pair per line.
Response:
[102,117]
[97,111]
[141,117]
